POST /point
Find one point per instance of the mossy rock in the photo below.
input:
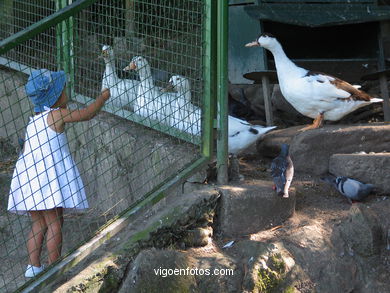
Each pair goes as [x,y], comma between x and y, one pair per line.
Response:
[269,267]
[271,274]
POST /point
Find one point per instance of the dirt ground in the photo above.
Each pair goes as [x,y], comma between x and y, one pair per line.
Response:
[319,209]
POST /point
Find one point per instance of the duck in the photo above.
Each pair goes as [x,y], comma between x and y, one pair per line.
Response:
[123,91]
[314,94]
[186,116]
[241,134]
[150,101]
[352,189]
[282,171]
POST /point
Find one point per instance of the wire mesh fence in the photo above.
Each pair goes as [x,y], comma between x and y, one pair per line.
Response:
[150,54]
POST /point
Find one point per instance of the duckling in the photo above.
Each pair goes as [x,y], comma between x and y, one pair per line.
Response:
[314,94]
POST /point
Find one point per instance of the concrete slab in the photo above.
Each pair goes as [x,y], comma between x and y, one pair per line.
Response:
[252,207]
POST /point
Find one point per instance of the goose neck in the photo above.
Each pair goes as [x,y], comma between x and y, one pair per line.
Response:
[110,70]
[145,76]
[282,63]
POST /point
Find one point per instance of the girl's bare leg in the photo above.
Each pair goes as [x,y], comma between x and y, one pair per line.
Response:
[35,237]
[54,220]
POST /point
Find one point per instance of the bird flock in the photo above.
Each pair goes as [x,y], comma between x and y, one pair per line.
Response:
[171,105]
[318,96]
[314,94]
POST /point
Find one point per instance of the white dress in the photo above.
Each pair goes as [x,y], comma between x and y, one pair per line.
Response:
[45,175]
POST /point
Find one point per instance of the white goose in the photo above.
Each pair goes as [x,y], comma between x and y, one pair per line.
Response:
[313,94]
[186,116]
[241,134]
[123,91]
[150,101]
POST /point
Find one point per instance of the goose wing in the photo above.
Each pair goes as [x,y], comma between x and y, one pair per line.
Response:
[330,87]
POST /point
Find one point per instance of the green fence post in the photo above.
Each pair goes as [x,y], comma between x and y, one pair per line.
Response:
[209,78]
[222,141]
[65,47]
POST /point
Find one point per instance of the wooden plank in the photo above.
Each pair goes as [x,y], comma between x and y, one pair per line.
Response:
[307,14]
[241,2]
[16,66]
[346,2]
[383,77]
[267,101]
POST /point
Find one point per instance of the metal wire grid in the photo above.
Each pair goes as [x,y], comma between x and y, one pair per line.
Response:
[119,163]
[171,44]
[18,15]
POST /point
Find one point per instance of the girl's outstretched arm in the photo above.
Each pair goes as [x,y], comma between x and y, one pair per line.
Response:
[58,118]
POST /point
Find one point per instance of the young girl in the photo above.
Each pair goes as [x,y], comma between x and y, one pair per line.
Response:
[46,180]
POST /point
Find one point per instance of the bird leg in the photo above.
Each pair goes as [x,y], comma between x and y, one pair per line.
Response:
[317,123]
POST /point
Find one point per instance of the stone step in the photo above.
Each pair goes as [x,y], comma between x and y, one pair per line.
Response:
[310,150]
[251,207]
[371,168]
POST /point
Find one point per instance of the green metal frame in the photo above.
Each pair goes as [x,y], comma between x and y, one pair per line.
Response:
[63,20]
[65,47]
[222,145]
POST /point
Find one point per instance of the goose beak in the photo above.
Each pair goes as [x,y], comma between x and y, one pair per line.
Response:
[168,88]
[253,44]
[104,54]
[131,66]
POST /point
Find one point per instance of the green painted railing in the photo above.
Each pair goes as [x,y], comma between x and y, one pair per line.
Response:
[214,91]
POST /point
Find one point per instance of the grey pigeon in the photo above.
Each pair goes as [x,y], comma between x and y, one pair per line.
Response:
[282,171]
[352,189]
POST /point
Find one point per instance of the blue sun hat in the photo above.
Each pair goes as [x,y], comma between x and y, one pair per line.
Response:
[44,87]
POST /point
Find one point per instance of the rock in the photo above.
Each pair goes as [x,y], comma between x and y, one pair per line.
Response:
[252,207]
[173,271]
[318,264]
[266,265]
[7,149]
[362,231]
[368,168]
[5,183]
[154,271]
[311,150]
[269,144]
[198,237]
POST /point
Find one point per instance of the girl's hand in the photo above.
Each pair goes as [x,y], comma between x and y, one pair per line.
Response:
[106,94]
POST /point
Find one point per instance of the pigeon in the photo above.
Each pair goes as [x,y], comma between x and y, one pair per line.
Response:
[282,171]
[352,189]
